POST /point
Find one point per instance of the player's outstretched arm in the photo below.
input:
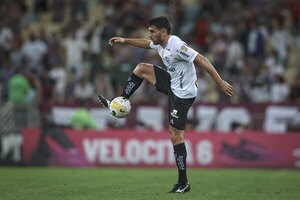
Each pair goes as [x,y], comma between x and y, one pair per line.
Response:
[204,63]
[141,43]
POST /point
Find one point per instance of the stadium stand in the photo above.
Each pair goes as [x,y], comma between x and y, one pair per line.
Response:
[58,43]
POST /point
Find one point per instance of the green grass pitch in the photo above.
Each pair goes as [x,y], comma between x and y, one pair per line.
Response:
[146,184]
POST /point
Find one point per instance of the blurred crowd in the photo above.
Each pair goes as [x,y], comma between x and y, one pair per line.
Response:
[54,51]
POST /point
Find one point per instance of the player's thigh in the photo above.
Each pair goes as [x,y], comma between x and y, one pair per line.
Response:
[163,80]
[146,71]
[178,111]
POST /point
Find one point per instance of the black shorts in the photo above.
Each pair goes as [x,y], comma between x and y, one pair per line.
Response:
[178,107]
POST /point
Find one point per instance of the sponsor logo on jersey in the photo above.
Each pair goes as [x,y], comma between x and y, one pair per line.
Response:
[184,48]
[174,113]
[183,53]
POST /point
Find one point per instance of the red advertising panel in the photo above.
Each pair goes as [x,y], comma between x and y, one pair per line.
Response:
[153,149]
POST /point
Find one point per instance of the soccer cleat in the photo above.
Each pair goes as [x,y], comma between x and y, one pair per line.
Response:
[103,101]
[181,188]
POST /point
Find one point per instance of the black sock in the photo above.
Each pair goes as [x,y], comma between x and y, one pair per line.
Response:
[133,82]
[180,158]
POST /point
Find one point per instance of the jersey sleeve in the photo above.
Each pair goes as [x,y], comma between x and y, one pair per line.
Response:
[153,46]
[182,51]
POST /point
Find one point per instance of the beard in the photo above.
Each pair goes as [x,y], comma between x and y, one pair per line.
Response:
[157,41]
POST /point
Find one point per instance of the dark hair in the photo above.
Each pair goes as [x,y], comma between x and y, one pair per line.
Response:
[161,22]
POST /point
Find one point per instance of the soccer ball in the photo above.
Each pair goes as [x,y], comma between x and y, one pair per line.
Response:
[120,107]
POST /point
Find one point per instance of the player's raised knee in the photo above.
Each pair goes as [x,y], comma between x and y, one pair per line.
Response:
[142,69]
[145,71]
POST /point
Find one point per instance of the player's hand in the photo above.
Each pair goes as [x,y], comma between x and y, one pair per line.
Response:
[115,40]
[226,88]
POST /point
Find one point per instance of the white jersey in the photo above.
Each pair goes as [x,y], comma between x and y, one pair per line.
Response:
[178,57]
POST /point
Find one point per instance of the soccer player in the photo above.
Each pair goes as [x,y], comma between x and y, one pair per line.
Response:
[177,81]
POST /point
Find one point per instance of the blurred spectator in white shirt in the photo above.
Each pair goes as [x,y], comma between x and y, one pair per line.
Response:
[6,37]
[280,40]
[75,49]
[95,41]
[274,63]
[59,74]
[34,51]
[279,90]
[234,54]
[256,40]
[84,90]
[103,83]
[259,92]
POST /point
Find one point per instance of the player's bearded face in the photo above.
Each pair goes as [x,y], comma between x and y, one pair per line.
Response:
[155,35]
